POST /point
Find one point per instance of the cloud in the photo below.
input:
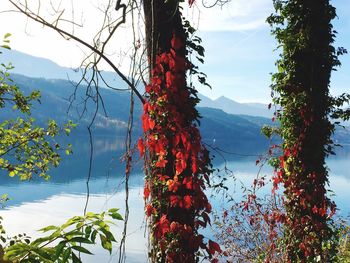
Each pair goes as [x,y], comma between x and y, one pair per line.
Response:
[236,15]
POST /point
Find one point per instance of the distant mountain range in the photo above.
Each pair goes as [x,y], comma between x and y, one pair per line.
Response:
[36,67]
[239,133]
[226,124]
[233,107]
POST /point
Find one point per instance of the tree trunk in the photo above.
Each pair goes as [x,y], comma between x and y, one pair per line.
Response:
[303,86]
[176,163]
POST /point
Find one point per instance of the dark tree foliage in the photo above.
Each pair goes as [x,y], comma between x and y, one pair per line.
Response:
[303,29]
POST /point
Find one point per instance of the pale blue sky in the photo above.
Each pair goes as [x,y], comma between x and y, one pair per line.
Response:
[238,43]
[239,63]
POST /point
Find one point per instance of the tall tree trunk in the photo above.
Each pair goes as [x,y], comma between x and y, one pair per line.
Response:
[303,86]
[176,163]
[162,20]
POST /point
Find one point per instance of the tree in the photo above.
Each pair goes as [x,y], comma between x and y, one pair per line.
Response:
[177,165]
[26,149]
[63,243]
[304,31]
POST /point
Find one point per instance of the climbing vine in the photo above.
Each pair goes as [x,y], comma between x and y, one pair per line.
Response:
[301,87]
[177,165]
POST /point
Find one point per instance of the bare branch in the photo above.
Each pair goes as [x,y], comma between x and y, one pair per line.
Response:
[39,19]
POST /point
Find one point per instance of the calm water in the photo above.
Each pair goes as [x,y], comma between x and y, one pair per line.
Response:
[37,203]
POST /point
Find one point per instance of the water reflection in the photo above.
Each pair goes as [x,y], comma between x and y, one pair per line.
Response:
[56,209]
[37,203]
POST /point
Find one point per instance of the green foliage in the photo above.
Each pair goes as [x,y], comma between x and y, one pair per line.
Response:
[6,41]
[300,86]
[62,243]
[26,149]
[344,242]
[195,48]
[339,111]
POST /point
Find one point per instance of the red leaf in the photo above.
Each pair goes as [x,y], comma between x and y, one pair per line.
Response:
[146,191]
[188,182]
[187,201]
[162,177]
[161,163]
[174,200]
[174,226]
[164,225]
[208,208]
[173,185]
[148,88]
[206,218]
[164,57]
[184,139]
[194,165]
[169,78]
[178,167]
[145,124]
[176,139]
[150,210]
[176,42]
[141,147]
[151,123]
[214,247]
[190,2]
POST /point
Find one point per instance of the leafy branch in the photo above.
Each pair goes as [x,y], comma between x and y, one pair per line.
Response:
[62,243]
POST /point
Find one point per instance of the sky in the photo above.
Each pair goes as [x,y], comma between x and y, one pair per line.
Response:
[240,51]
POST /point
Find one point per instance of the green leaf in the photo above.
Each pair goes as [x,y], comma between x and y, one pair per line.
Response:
[66,255]
[59,248]
[88,230]
[106,244]
[80,240]
[6,46]
[93,236]
[108,234]
[43,253]
[48,228]
[75,258]
[115,215]
[81,249]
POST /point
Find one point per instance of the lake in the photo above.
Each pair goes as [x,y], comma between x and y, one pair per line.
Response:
[38,203]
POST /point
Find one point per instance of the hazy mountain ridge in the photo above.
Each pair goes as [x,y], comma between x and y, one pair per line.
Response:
[218,126]
[233,107]
[35,67]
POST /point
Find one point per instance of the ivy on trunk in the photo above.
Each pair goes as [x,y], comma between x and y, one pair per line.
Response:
[304,31]
[177,165]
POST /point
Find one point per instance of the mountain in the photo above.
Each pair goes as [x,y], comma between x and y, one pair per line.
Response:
[61,100]
[225,123]
[36,67]
[233,107]
[232,132]
[218,128]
